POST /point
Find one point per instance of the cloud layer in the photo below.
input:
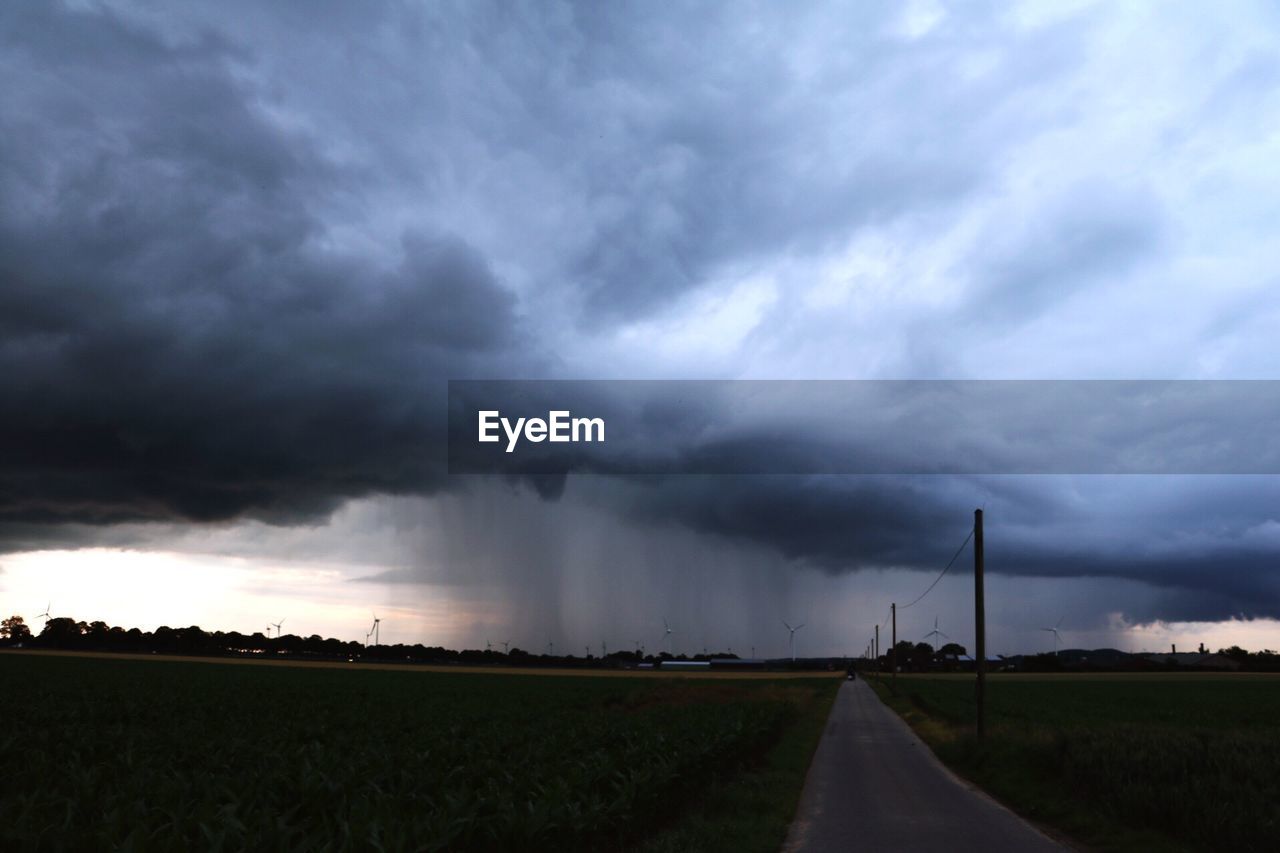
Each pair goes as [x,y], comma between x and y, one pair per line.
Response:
[242,248]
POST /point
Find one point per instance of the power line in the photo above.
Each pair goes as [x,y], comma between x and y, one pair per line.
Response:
[950,562]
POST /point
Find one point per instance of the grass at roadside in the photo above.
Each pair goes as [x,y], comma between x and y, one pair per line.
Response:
[749,808]
[1116,762]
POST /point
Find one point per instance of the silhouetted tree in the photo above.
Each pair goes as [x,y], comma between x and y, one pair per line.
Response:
[1043,662]
[900,655]
[62,633]
[1235,653]
[14,629]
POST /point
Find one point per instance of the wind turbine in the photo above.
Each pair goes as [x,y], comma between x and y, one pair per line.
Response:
[666,637]
[45,615]
[374,632]
[278,624]
[604,649]
[488,646]
[1056,636]
[935,633]
[793,637]
[506,647]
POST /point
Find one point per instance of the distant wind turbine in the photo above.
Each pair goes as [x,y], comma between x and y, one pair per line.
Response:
[45,615]
[666,637]
[1056,635]
[793,637]
[935,634]
[506,646]
[278,624]
[374,631]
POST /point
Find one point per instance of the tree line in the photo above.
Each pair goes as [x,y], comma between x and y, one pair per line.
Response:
[65,634]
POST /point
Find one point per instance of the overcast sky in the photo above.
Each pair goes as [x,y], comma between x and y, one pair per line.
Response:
[244,247]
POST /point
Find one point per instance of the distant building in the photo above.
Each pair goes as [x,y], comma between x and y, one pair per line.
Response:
[737,663]
[1196,660]
[999,663]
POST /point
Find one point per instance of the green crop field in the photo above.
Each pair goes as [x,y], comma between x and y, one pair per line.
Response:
[149,755]
[1118,761]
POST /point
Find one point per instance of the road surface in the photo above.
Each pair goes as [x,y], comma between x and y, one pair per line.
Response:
[875,786]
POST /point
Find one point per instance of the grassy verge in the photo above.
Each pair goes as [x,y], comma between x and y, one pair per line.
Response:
[749,807]
[1115,763]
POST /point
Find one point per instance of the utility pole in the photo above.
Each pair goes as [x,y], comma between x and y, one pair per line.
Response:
[979,622]
[893,652]
[877,647]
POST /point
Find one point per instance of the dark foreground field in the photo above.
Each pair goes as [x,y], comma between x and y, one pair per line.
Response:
[1182,762]
[153,755]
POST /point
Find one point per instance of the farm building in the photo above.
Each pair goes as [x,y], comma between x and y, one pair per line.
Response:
[684,664]
[1196,660]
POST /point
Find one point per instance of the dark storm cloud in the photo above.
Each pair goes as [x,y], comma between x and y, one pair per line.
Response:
[837,523]
[1207,545]
[239,257]
[179,338]
[1210,546]
[186,336]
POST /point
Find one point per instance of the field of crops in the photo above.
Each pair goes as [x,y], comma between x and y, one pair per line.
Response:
[1122,761]
[152,755]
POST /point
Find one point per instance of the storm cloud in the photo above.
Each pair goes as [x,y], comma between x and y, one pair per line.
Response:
[183,338]
[243,248]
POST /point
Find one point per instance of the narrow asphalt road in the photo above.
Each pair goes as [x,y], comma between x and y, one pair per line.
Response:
[875,786]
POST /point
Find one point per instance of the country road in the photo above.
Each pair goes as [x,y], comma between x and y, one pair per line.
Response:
[875,786]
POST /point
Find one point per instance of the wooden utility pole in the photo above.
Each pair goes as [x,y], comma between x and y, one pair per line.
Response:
[893,652]
[877,646]
[979,622]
